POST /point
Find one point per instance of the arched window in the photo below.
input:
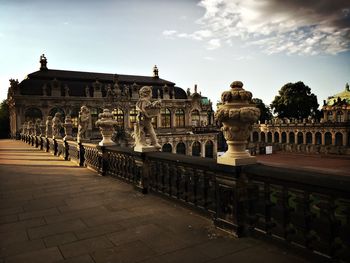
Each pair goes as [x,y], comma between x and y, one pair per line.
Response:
[180,118]
[53,111]
[327,138]
[308,138]
[291,137]
[339,139]
[74,114]
[300,138]
[165,118]
[195,118]
[196,149]
[269,137]
[94,116]
[31,114]
[132,117]
[284,137]
[339,116]
[255,136]
[263,139]
[209,149]
[119,116]
[167,148]
[318,138]
[276,137]
[330,115]
[181,148]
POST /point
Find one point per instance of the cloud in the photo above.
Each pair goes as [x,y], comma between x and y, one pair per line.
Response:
[213,44]
[169,32]
[291,26]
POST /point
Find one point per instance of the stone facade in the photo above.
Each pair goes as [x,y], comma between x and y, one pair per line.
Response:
[331,135]
[46,92]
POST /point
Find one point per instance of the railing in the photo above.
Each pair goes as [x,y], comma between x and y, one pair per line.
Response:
[309,211]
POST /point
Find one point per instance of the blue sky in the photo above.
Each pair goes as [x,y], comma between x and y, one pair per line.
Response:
[210,43]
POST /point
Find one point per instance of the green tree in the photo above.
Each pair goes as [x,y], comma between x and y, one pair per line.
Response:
[295,100]
[265,112]
[4,120]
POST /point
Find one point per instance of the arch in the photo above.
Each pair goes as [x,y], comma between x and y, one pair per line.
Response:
[196,148]
[94,116]
[132,117]
[180,118]
[291,137]
[165,118]
[118,115]
[284,137]
[318,138]
[276,137]
[209,149]
[269,137]
[300,138]
[327,138]
[263,139]
[31,114]
[255,136]
[74,114]
[195,119]
[167,148]
[54,110]
[308,138]
[338,139]
[181,148]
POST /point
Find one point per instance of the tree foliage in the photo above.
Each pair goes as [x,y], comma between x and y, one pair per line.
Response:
[4,120]
[265,112]
[295,100]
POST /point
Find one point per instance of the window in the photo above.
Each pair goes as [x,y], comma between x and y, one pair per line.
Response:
[196,149]
[330,115]
[181,148]
[180,118]
[339,116]
[195,118]
[32,114]
[165,116]
[132,117]
[119,116]
[209,149]
[167,148]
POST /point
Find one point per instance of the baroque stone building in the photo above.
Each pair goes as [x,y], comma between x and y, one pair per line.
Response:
[47,91]
[329,135]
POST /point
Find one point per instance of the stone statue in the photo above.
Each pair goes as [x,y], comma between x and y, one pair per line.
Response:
[56,126]
[48,127]
[146,110]
[87,91]
[38,127]
[84,120]
[66,91]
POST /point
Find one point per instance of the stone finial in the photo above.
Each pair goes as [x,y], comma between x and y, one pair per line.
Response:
[146,110]
[106,123]
[195,88]
[347,87]
[43,62]
[68,127]
[237,113]
[155,72]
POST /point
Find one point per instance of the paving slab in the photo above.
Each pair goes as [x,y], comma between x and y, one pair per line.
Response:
[54,211]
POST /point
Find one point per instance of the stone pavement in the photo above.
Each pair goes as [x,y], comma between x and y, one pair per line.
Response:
[53,211]
[328,164]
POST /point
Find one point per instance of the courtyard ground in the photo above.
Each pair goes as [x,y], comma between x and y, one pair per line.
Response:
[54,211]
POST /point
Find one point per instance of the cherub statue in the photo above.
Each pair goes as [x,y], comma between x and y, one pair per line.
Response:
[146,110]
[38,127]
[84,119]
[48,129]
[56,126]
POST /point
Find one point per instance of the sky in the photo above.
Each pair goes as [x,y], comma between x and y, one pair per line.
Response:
[211,43]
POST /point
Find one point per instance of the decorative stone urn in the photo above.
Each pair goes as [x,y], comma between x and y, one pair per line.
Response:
[106,123]
[68,127]
[237,113]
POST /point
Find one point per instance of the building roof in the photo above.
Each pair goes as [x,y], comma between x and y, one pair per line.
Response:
[343,96]
[77,81]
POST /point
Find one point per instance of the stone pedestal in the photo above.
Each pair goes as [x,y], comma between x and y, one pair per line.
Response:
[145,148]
